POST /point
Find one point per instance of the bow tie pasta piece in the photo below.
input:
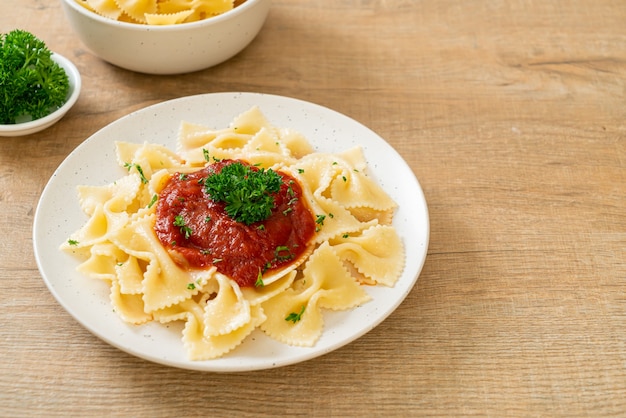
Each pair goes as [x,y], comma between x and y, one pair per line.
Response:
[167,18]
[105,206]
[129,307]
[352,188]
[250,134]
[377,253]
[251,121]
[294,316]
[137,9]
[165,283]
[260,294]
[156,156]
[199,145]
[101,261]
[227,311]
[199,347]
[106,8]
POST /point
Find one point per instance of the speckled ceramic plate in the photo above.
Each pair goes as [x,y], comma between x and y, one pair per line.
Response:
[94,163]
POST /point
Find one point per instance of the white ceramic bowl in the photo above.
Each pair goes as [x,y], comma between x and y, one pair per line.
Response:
[169,49]
[30,127]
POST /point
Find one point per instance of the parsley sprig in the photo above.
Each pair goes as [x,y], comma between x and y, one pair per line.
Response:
[295,316]
[247,191]
[30,81]
[184,229]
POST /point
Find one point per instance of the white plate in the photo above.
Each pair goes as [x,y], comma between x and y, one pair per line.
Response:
[94,163]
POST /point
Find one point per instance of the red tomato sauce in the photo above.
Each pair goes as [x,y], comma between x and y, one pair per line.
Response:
[210,237]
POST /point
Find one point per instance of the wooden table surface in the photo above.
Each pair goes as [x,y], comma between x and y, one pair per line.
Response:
[512,115]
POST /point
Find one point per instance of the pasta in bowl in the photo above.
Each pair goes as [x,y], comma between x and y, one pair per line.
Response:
[333,135]
[141,39]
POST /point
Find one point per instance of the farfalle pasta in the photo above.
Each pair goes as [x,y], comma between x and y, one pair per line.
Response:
[353,245]
[159,12]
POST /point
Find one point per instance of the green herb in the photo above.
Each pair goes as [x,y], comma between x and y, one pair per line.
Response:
[279,253]
[191,286]
[247,192]
[72,242]
[184,229]
[319,220]
[182,176]
[205,153]
[31,83]
[295,317]
[259,280]
[137,167]
[153,201]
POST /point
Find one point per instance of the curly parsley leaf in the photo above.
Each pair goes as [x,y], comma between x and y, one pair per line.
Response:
[137,167]
[295,317]
[184,229]
[31,83]
[247,191]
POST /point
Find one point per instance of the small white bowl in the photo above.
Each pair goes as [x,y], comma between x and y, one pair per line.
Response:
[30,127]
[168,49]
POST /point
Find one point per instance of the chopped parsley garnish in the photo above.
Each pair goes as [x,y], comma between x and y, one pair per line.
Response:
[72,242]
[191,286]
[259,280]
[137,167]
[155,197]
[184,229]
[246,191]
[282,253]
[319,220]
[295,317]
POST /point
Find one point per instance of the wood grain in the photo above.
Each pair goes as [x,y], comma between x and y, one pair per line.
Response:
[512,116]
